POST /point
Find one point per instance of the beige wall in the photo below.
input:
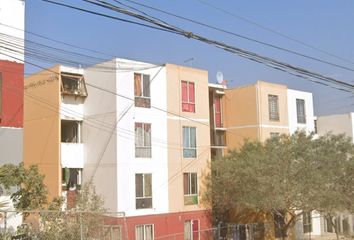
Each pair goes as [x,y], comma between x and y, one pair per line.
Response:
[177,165]
[42,127]
[247,113]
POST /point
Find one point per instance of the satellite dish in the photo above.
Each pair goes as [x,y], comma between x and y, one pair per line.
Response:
[219,77]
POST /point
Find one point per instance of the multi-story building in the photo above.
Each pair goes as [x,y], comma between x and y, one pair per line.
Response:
[320,226]
[139,131]
[11,94]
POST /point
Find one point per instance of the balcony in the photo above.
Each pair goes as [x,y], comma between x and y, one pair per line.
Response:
[72,155]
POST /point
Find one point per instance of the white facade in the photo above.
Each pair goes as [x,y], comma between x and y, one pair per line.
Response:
[109,135]
[12,25]
[294,124]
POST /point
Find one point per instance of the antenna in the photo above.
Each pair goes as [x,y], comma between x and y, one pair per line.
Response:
[219,77]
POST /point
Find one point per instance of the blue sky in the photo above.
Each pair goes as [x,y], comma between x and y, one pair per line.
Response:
[325,24]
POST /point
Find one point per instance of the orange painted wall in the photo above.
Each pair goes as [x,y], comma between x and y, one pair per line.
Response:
[42,127]
[177,165]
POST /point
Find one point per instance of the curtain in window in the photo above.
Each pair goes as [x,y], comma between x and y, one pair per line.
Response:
[148,185]
[149,232]
[185,183]
[146,84]
[185,137]
[139,185]
[139,232]
[217,113]
[147,135]
[187,230]
[193,189]
[193,140]
[137,84]
[195,228]
[139,134]
[191,97]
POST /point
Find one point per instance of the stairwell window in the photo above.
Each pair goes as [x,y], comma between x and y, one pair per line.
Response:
[143,140]
[144,232]
[189,142]
[188,97]
[190,188]
[300,111]
[273,107]
[142,90]
[143,190]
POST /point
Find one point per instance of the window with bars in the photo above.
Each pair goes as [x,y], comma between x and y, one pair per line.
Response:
[188,97]
[144,232]
[190,188]
[189,142]
[143,190]
[113,232]
[273,106]
[142,90]
[307,222]
[143,140]
[300,111]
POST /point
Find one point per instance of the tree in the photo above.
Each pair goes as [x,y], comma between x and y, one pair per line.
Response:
[82,222]
[30,193]
[280,179]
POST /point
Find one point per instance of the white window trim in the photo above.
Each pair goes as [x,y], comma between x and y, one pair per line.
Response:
[144,227]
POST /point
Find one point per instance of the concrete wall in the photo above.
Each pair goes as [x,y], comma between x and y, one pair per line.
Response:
[11,145]
[99,133]
[42,127]
[177,165]
[336,124]
[12,14]
[309,126]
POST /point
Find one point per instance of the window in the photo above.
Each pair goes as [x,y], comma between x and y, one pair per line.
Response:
[143,140]
[144,232]
[274,134]
[188,97]
[70,131]
[73,84]
[71,178]
[218,138]
[142,90]
[273,106]
[113,232]
[190,188]
[189,142]
[191,230]
[300,111]
[143,190]
[217,112]
[307,222]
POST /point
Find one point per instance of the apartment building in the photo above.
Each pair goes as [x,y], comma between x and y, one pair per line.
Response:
[321,227]
[11,95]
[139,131]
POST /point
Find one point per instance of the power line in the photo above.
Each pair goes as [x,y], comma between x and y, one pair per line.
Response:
[238,35]
[273,31]
[296,71]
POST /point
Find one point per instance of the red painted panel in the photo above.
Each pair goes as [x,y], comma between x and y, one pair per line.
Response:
[166,226]
[12,94]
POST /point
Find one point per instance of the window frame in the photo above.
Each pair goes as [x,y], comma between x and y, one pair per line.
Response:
[144,230]
[144,100]
[191,232]
[301,118]
[147,147]
[191,106]
[190,196]
[219,113]
[1,93]
[79,79]
[307,222]
[108,232]
[189,148]
[144,194]
[273,109]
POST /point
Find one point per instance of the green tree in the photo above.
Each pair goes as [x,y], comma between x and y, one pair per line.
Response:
[30,193]
[281,178]
[82,222]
